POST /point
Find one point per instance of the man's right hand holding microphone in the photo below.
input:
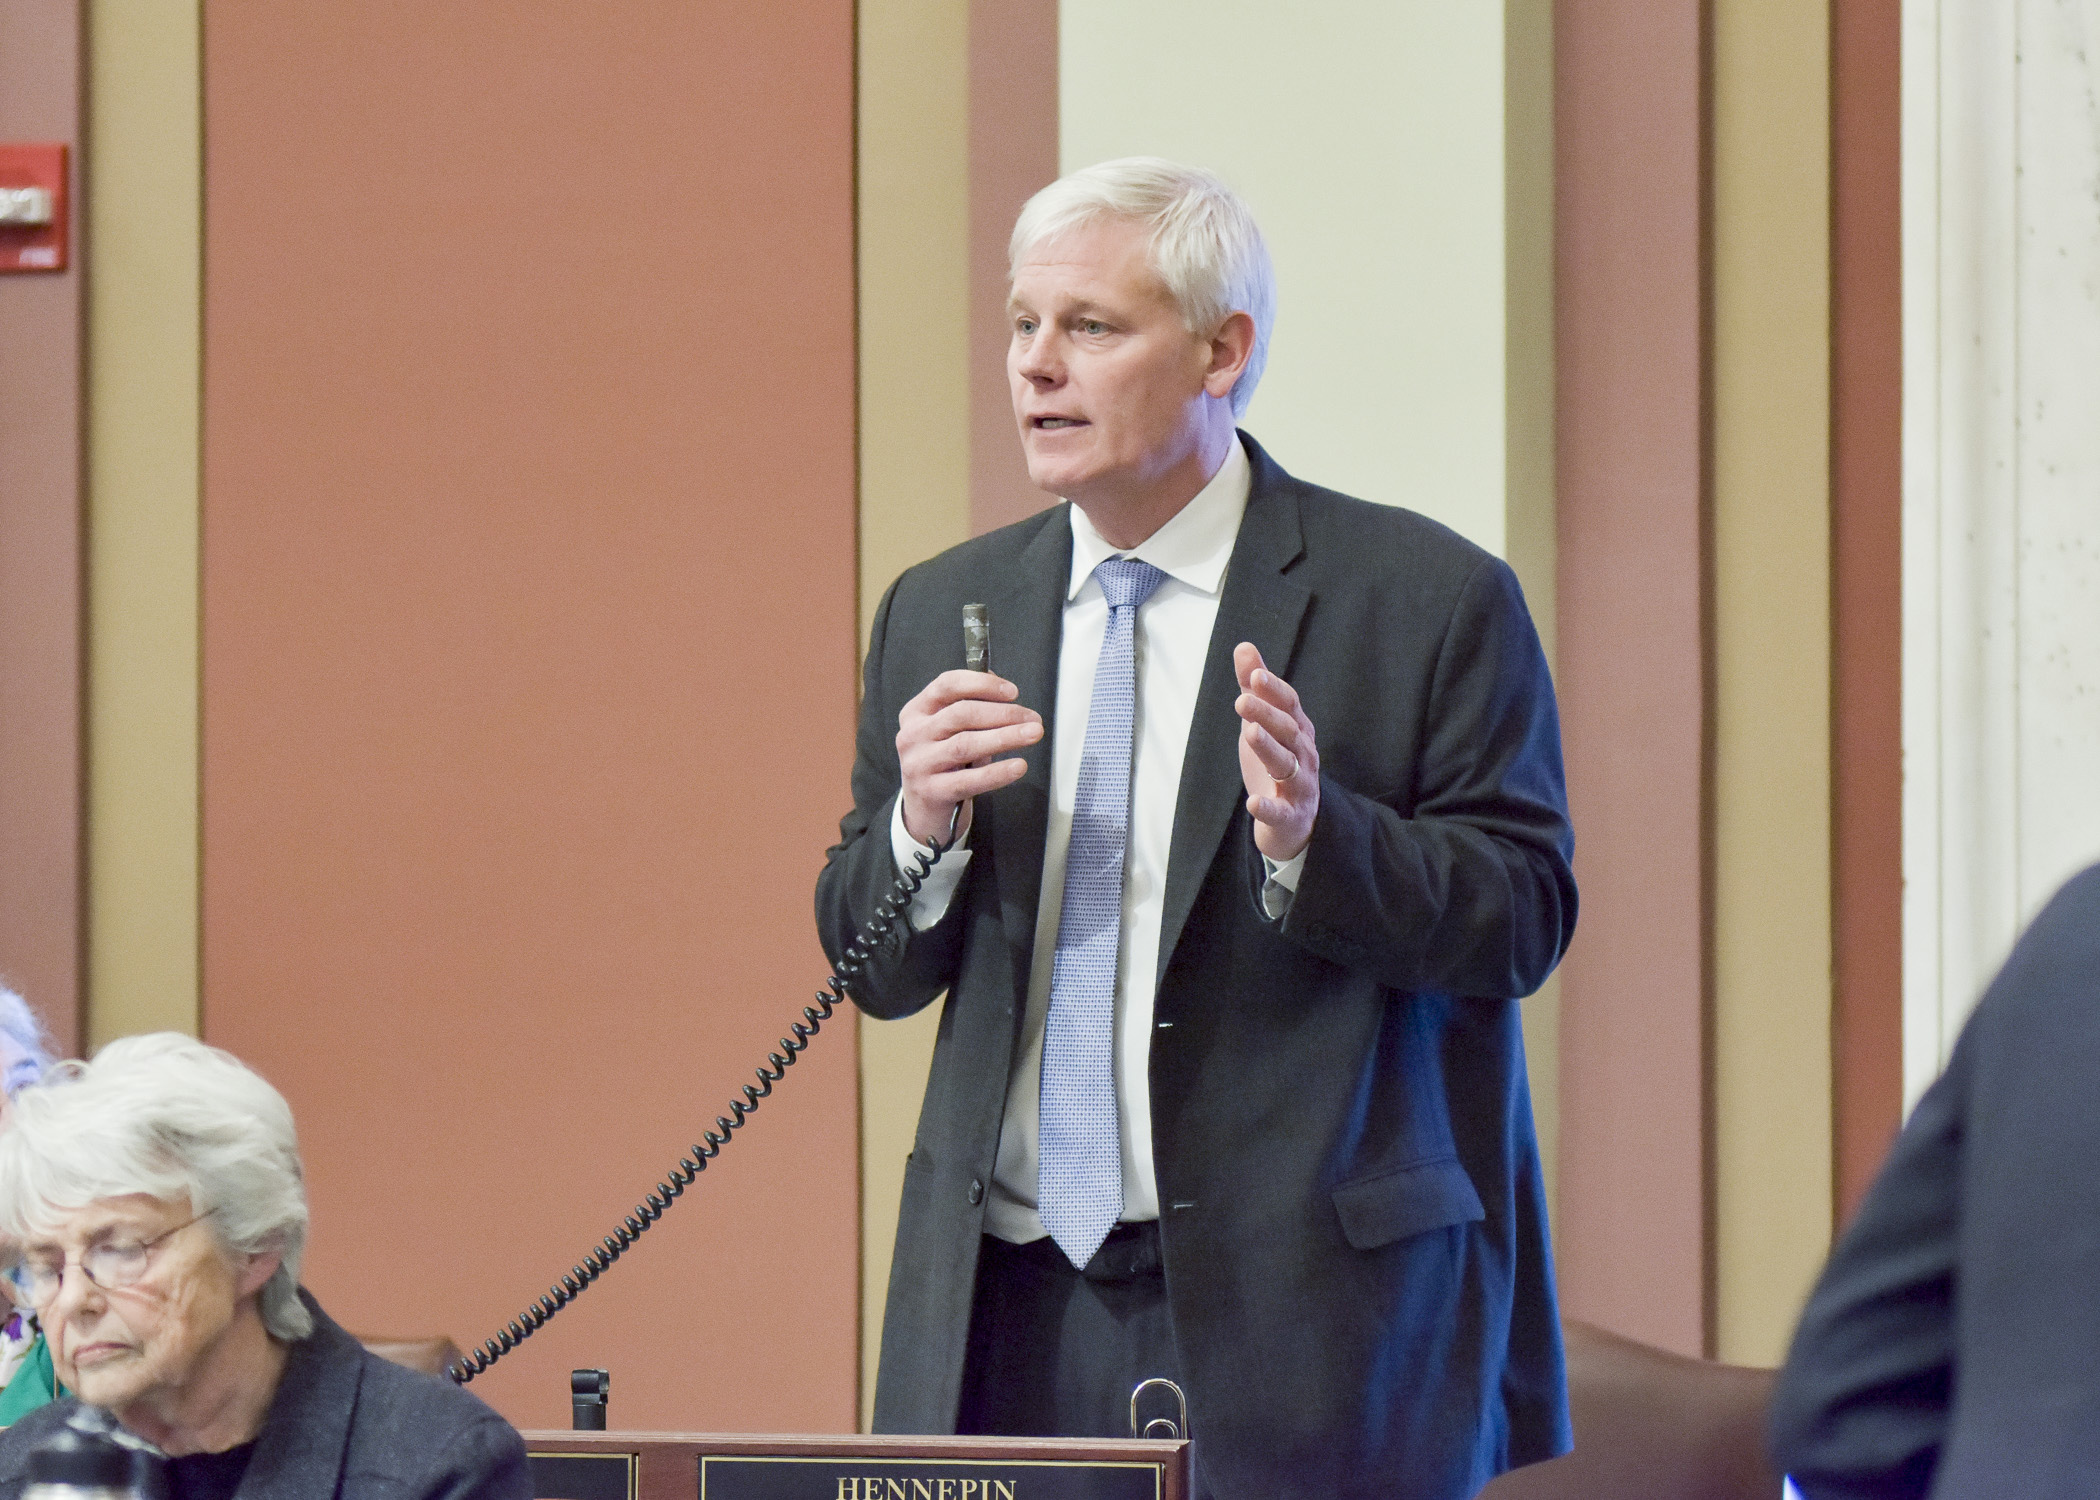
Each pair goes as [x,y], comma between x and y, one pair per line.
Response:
[955,741]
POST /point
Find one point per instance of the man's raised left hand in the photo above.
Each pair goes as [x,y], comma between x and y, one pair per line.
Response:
[1279,760]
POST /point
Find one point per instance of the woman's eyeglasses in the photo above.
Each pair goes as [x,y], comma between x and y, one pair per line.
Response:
[111,1265]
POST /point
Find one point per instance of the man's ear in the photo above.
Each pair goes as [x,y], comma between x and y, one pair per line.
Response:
[1230,349]
[255,1275]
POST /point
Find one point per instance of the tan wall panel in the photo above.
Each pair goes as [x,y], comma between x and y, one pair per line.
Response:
[144,326]
[528,640]
[914,467]
[1529,533]
[1772,913]
[914,207]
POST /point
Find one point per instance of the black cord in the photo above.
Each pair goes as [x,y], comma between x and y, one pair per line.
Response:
[651,1208]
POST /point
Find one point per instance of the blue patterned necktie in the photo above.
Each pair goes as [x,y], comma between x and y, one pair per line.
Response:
[1079,1164]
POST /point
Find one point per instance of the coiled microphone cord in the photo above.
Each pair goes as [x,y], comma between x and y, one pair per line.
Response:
[689,1167]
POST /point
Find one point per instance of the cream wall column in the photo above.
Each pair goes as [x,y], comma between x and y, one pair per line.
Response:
[1771,644]
[914,466]
[2001,588]
[1369,138]
[144,373]
[1399,157]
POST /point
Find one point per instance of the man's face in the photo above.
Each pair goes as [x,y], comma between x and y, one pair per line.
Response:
[1108,382]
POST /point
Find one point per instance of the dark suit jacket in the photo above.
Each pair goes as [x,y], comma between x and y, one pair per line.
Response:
[1953,1344]
[1353,1218]
[347,1423]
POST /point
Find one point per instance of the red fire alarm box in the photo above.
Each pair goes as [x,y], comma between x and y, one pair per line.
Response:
[33,208]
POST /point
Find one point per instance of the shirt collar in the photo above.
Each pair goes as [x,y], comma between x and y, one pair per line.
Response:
[1193,546]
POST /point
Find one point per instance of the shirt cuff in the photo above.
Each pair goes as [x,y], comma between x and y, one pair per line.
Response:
[1281,888]
[931,903]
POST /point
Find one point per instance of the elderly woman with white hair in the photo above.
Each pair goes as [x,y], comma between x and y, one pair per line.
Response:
[159,1207]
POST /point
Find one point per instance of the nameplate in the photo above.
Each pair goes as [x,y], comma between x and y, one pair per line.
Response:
[583,1476]
[718,1466]
[746,1478]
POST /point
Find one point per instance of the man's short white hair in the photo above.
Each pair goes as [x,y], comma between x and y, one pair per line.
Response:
[169,1117]
[1206,247]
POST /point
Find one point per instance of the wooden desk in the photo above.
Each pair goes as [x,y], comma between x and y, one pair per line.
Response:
[689,1466]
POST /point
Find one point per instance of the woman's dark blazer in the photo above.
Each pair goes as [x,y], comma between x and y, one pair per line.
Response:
[346,1422]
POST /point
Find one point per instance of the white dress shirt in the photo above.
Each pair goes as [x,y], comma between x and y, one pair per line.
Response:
[1173,638]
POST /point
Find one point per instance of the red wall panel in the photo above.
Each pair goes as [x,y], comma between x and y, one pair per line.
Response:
[1630,287]
[41,533]
[1866,549]
[529,656]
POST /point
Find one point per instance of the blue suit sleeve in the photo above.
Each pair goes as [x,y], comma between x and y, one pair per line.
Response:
[1861,1408]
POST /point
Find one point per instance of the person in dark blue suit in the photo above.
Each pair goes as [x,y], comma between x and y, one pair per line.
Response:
[1952,1347]
[1263,835]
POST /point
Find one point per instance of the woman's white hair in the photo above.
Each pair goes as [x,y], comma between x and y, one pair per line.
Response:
[1205,248]
[169,1117]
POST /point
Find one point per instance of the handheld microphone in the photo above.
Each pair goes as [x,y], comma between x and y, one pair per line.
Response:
[977,637]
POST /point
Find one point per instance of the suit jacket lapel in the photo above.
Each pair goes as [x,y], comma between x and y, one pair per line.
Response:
[1261,605]
[1027,628]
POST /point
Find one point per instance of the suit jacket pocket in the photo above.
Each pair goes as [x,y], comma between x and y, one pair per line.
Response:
[1389,1206]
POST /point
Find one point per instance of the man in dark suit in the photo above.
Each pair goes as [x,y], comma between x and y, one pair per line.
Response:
[1952,1347]
[1229,1086]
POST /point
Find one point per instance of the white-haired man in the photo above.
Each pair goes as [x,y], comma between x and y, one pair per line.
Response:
[1259,833]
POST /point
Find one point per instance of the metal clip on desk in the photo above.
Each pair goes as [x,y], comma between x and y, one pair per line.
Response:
[1171,1429]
